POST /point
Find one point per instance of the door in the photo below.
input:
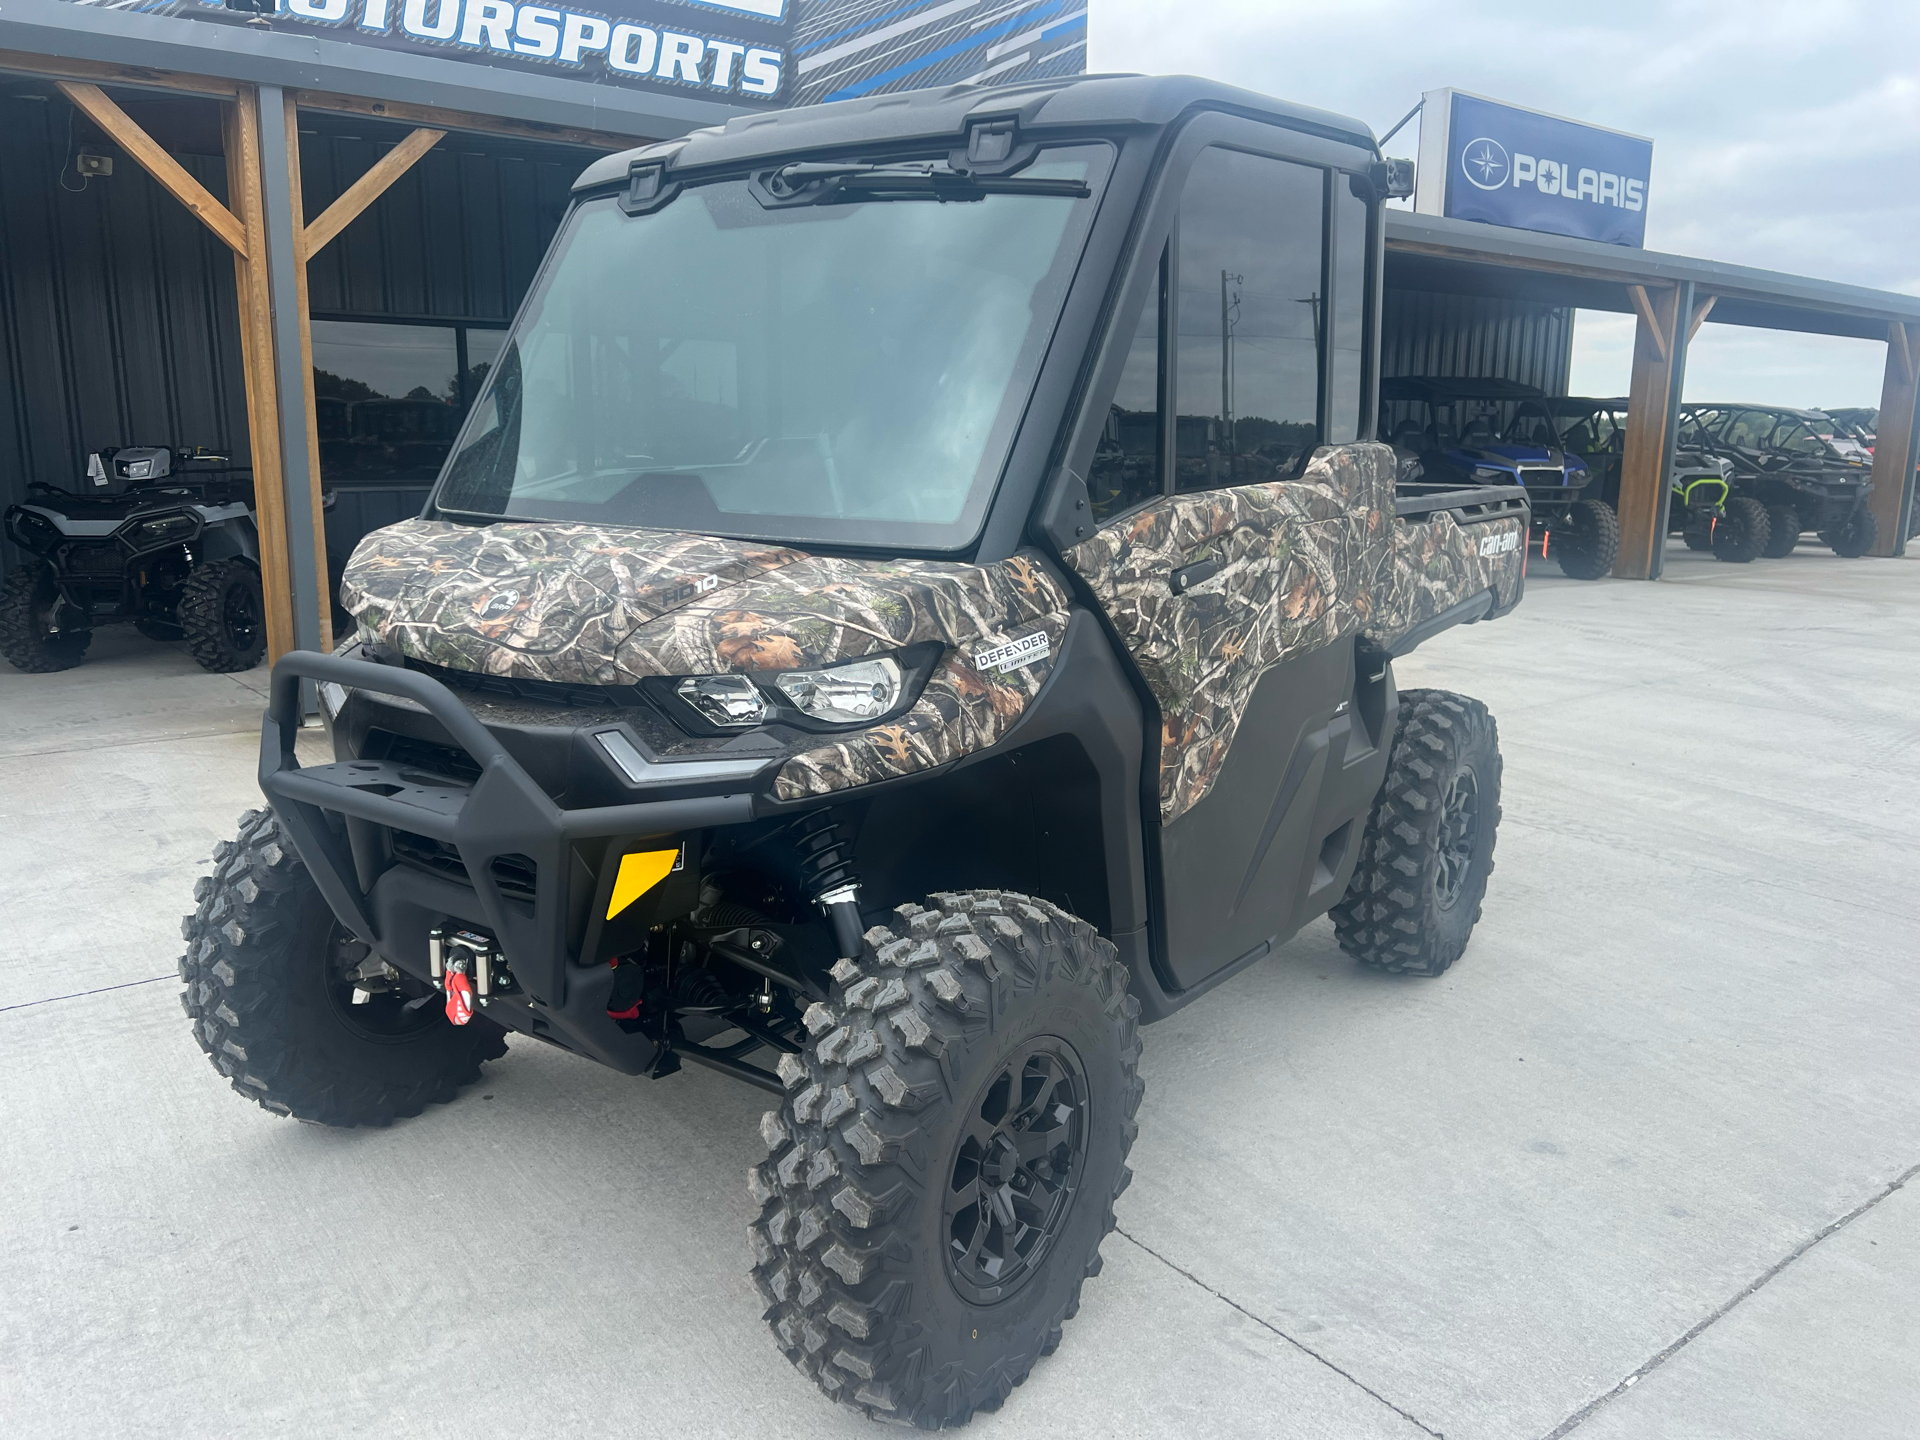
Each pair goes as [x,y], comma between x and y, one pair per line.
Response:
[1229,567]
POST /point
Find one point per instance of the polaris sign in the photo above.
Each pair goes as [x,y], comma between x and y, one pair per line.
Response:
[1500,164]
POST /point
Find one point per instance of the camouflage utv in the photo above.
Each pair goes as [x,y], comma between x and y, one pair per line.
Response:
[854,649]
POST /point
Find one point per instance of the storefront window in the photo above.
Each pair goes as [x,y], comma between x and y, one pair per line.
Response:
[391,397]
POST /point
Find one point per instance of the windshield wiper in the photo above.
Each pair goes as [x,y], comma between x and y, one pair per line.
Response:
[807,182]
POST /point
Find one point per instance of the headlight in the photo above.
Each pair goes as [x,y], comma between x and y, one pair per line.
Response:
[162,530]
[1488,475]
[139,469]
[730,701]
[856,693]
[33,532]
[844,695]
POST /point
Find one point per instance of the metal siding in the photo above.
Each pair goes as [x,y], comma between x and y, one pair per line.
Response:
[458,237]
[118,324]
[1476,336]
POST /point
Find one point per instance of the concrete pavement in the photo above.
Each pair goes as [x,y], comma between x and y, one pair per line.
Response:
[1652,1127]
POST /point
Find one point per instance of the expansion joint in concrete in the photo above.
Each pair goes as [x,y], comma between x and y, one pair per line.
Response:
[1265,1324]
[82,994]
[1599,1402]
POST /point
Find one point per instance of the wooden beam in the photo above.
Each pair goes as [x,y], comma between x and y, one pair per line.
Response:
[432,117]
[156,162]
[1643,307]
[140,76]
[1700,313]
[312,413]
[364,191]
[1893,457]
[245,188]
[1642,464]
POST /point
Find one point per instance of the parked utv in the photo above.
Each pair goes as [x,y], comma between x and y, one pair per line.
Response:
[1500,432]
[853,649]
[160,536]
[1785,480]
[1596,431]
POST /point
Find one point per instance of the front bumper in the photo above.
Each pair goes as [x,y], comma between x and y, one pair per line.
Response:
[342,819]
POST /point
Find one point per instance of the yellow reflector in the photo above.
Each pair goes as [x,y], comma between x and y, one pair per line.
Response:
[639,873]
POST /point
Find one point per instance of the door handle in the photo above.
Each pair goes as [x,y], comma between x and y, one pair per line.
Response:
[1188,576]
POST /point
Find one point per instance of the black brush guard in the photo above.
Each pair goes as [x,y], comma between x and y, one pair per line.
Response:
[502,814]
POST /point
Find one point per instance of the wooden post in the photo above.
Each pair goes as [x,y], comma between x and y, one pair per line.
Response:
[1893,457]
[312,412]
[1657,343]
[242,144]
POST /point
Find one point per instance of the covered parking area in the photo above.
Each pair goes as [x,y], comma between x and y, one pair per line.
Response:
[1471,299]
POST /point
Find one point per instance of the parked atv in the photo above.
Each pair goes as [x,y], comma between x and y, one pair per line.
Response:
[1500,432]
[797,673]
[1786,480]
[1596,431]
[161,537]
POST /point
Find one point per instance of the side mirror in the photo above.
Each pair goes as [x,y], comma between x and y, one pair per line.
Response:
[1392,179]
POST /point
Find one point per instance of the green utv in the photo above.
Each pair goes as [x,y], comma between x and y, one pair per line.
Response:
[909,607]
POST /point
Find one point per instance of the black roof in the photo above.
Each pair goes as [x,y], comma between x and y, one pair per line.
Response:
[1763,409]
[1080,102]
[1430,389]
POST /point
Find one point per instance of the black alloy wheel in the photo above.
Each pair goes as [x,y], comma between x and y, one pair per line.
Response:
[387,1014]
[1459,833]
[221,614]
[1016,1169]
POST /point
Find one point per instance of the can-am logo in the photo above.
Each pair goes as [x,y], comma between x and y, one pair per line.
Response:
[1500,544]
[1486,164]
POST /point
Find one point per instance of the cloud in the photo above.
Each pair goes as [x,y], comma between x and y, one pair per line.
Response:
[1786,132]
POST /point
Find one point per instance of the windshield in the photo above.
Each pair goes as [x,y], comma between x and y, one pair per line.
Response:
[845,373]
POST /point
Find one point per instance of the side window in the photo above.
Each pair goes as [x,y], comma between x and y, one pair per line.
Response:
[1349,311]
[1252,324]
[1126,461]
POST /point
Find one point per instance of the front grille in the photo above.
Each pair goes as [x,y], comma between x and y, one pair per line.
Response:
[1543,477]
[546,691]
[448,760]
[95,559]
[516,875]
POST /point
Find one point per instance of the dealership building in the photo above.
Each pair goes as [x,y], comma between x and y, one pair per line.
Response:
[294,231]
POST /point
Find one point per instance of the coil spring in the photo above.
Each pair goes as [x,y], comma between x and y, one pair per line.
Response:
[823,852]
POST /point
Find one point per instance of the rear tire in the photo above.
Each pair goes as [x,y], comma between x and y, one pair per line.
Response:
[1854,538]
[28,599]
[1741,535]
[1783,531]
[263,973]
[1428,850]
[889,1277]
[223,615]
[1587,541]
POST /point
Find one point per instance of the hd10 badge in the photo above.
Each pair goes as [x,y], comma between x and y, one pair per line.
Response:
[1507,165]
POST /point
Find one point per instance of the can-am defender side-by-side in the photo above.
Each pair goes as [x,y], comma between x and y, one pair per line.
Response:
[1786,479]
[160,536]
[909,606]
[1500,432]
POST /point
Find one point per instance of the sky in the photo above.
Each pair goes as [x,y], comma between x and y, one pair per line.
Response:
[1786,135]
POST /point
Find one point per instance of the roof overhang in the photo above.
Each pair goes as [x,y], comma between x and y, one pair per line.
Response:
[1429,252]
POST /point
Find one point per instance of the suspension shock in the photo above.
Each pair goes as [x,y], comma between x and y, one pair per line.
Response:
[828,876]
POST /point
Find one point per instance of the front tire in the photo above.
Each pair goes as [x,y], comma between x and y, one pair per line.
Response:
[944,1167]
[223,616]
[268,973]
[28,599]
[1783,531]
[1855,536]
[1588,540]
[1428,850]
[1741,535]
[1698,532]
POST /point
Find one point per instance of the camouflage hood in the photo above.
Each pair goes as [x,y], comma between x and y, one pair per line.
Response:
[603,605]
[548,602]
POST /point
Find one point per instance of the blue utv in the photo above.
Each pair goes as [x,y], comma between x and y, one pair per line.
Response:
[1499,432]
